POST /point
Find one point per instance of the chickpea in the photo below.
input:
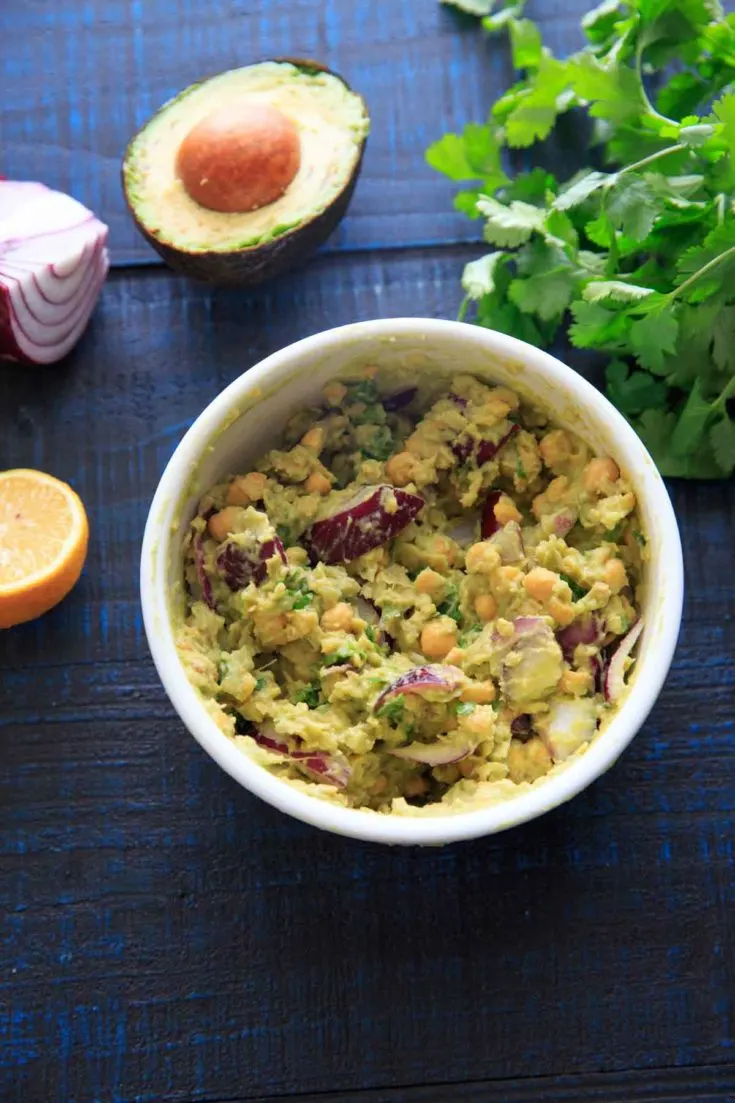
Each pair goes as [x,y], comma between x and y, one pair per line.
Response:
[479,693]
[480,722]
[334,393]
[454,657]
[467,767]
[599,475]
[505,510]
[303,622]
[379,785]
[505,394]
[504,576]
[482,558]
[314,438]
[297,557]
[486,607]
[338,618]
[272,629]
[561,612]
[415,786]
[527,761]
[438,638]
[615,576]
[247,686]
[221,524]
[246,489]
[557,488]
[555,448]
[429,582]
[539,583]
[317,484]
[401,469]
[575,682]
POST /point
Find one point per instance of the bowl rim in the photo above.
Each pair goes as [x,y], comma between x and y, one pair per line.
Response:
[359,823]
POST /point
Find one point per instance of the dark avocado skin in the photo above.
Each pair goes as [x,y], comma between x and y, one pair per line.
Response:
[258,263]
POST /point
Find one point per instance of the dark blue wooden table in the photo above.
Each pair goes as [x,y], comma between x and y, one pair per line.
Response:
[165,936]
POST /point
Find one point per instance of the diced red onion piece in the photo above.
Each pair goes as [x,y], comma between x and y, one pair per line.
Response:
[463,529]
[423,679]
[366,610]
[490,524]
[370,519]
[509,542]
[399,400]
[488,449]
[241,564]
[434,754]
[204,583]
[568,724]
[53,262]
[521,727]
[564,520]
[330,769]
[463,448]
[616,669]
[533,661]
[587,629]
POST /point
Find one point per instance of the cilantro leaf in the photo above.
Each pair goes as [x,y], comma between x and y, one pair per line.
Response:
[478,277]
[633,207]
[722,440]
[531,113]
[580,188]
[578,592]
[633,391]
[510,225]
[471,7]
[392,710]
[616,291]
[653,337]
[525,44]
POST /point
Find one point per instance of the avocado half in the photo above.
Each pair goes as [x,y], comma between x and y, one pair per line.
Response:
[329,124]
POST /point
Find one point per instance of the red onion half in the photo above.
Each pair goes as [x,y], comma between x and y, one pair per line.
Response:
[53,262]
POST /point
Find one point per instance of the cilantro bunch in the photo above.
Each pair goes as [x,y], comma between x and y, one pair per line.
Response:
[634,257]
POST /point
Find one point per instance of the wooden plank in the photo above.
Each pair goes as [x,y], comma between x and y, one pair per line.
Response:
[169,937]
[77,80]
[705,1085]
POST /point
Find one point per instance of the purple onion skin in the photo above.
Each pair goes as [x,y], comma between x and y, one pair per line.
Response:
[521,727]
[314,761]
[204,583]
[579,631]
[421,679]
[358,528]
[399,400]
[488,450]
[490,524]
[463,449]
[238,568]
[484,450]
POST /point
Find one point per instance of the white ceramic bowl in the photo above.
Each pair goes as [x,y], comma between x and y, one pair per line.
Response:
[247,418]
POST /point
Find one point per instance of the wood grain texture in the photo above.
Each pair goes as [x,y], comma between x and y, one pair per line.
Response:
[167,937]
[78,79]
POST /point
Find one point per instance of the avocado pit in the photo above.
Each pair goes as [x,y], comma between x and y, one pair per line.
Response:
[239,158]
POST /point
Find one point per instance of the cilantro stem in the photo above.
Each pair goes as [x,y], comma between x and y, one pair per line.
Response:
[679,148]
[643,42]
[464,307]
[700,272]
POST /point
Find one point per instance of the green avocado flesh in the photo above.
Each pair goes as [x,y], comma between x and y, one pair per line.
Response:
[332,125]
[409,606]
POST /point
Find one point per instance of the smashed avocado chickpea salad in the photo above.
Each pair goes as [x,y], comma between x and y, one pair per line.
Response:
[409,606]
